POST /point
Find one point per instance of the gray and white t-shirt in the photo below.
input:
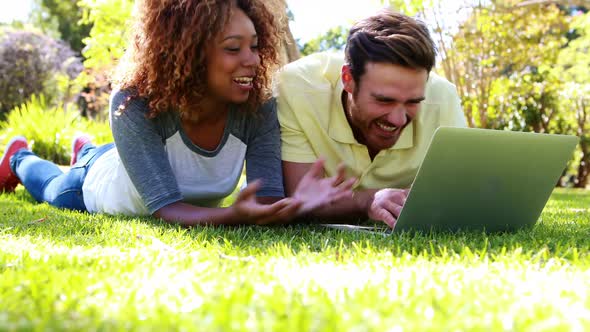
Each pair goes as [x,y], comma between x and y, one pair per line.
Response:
[155,163]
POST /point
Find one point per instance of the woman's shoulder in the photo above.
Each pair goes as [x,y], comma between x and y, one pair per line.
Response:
[135,108]
[246,125]
[267,109]
[128,99]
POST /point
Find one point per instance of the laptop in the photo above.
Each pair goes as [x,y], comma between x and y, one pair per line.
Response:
[483,179]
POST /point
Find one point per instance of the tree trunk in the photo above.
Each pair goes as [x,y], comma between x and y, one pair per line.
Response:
[584,167]
[289,50]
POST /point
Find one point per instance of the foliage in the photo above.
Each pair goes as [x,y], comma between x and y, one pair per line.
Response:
[492,44]
[333,39]
[32,63]
[51,129]
[527,101]
[410,7]
[573,65]
[69,271]
[63,17]
[575,57]
[575,101]
[109,34]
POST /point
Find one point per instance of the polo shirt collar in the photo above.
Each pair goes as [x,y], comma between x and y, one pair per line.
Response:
[340,131]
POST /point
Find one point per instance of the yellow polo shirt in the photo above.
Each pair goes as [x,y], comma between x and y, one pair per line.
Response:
[313,124]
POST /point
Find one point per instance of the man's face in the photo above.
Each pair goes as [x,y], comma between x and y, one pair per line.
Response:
[384,102]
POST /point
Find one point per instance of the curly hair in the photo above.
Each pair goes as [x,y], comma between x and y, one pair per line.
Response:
[165,61]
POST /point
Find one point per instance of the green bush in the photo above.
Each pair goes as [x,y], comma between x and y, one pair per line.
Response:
[51,129]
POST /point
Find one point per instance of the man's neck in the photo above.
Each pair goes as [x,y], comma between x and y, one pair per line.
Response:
[347,108]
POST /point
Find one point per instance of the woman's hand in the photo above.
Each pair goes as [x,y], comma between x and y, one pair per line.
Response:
[248,211]
[314,190]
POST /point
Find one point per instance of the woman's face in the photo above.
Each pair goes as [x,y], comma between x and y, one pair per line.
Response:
[232,60]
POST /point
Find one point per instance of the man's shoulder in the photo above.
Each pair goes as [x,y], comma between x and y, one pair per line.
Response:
[439,86]
[314,70]
[442,95]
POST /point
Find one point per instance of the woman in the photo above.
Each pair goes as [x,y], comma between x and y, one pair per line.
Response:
[190,109]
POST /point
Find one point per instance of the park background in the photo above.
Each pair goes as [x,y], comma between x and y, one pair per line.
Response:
[519,65]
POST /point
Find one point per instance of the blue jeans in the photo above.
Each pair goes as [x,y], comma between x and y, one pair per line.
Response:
[46,182]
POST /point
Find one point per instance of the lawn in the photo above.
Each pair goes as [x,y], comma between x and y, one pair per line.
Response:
[62,270]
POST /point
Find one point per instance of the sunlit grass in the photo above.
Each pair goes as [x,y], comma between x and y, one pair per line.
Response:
[63,270]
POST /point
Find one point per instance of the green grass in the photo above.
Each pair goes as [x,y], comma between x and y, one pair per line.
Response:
[75,271]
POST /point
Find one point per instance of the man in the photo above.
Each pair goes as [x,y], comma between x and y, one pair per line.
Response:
[375,110]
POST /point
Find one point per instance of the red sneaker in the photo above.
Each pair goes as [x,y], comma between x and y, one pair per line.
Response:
[77,143]
[9,180]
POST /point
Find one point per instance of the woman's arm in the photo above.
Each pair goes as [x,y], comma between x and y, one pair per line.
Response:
[190,215]
[141,149]
[246,210]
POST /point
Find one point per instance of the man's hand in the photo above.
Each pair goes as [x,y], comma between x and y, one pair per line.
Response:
[249,211]
[314,190]
[387,204]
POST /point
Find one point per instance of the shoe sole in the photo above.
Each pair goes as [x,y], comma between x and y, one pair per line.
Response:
[73,146]
[12,141]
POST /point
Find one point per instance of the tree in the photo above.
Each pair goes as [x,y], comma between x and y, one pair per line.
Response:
[527,101]
[573,65]
[61,19]
[109,34]
[333,39]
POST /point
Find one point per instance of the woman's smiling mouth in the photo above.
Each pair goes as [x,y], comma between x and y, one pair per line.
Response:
[245,81]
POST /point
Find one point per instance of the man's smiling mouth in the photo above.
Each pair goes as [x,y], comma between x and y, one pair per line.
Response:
[386,127]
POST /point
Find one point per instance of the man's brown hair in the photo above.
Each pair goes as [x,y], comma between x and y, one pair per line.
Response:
[389,37]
